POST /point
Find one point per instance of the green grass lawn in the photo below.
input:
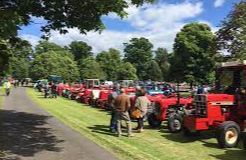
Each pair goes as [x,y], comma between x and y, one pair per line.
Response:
[149,145]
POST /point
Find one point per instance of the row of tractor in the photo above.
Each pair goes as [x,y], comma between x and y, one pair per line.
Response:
[166,104]
[223,110]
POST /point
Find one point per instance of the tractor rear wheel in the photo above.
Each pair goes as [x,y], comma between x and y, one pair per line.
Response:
[175,123]
[228,134]
[153,121]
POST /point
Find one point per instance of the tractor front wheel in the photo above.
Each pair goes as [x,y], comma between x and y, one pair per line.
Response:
[153,121]
[228,134]
[175,123]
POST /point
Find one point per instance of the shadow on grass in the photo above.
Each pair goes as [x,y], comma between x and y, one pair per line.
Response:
[101,129]
[231,154]
[24,134]
[181,138]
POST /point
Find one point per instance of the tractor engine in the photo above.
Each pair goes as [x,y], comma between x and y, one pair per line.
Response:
[200,105]
[209,111]
[213,105]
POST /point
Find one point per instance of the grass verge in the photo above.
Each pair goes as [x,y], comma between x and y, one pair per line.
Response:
[1,106]
[1,97]
[149,145]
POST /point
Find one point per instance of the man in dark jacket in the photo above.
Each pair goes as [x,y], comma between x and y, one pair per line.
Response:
[53,87]
[111,100]
[122,106]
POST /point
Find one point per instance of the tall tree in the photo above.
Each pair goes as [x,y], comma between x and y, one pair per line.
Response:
[161,57]
[5,55]
[139,53]
[90,68]
[110,62]
[59,14]
[19,67]
[12,51]
[232,34]
[126,71]
[194,52]
[19,62]
[46,46]
[80,50]
[49,63]
[153,71]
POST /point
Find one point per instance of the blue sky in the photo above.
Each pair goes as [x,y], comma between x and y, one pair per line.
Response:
[158,22]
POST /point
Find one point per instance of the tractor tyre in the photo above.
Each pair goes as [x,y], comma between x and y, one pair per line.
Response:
[153,121]
[175,123]
[228,134]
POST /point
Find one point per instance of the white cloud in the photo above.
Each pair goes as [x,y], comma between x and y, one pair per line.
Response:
[157,22]
[31,38]
[218,3]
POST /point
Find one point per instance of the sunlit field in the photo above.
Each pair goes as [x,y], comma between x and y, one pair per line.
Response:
[152,144]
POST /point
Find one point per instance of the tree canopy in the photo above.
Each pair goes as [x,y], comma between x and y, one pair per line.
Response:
[153,71]
[127,71]
[50,62]
[46,46]
[59,14]
[194,51]
[5,55]
[19,67]
[232,34]
[161,57]
[80,50]
[139,53]
[90,68]
[110,62]
[12,51]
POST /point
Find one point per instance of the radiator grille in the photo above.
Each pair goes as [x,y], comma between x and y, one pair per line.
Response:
[200,103]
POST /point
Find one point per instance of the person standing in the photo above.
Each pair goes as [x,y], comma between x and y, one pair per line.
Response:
[142,103]
[53,88]
[7,86]
[111,100]
[122,106]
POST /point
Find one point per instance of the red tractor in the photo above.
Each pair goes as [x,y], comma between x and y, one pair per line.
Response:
[61,87]
[224,110]
[75,90]
[85,96]
[102,101]
[171,109]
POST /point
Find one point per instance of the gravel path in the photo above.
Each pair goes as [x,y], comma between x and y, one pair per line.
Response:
[29,133]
